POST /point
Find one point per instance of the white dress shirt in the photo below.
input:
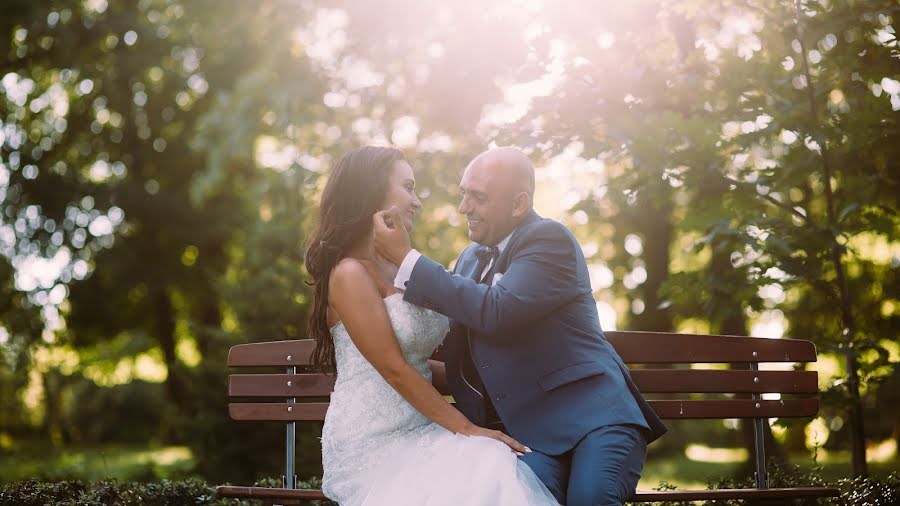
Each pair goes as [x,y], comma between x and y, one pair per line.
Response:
[406,267]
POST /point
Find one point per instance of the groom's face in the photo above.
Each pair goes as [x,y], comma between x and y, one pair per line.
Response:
[487,202]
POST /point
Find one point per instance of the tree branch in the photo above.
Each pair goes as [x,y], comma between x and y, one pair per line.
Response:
[772,200]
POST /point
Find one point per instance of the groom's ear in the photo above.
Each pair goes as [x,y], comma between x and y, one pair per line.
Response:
[521,204]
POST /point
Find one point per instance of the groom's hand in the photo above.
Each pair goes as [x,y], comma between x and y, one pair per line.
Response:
[391,237]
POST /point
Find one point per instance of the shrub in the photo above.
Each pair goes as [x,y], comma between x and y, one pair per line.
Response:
[868,491]
[110,492]
[114,493]
[854,492]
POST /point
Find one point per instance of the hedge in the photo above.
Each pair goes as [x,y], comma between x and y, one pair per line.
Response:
[854,492]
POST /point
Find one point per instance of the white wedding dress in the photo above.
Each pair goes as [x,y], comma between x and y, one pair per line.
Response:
[377,449]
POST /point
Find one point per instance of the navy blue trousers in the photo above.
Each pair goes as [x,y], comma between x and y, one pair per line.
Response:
[602,470]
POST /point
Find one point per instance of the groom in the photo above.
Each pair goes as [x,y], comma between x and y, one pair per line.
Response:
[525,350]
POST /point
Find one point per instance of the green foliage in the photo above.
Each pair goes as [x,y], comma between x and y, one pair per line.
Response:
[141,409]
[763,149]
[854,492]
[111,492]
[115,493]
[868,491]
[200,132]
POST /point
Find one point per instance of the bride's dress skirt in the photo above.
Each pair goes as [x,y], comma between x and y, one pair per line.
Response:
[439,468]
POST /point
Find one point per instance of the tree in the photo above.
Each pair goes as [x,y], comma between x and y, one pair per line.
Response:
[736,98]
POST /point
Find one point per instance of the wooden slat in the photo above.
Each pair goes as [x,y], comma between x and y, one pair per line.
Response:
[277,411]
[741,493]
[735,408]
[273,353]
[268,493]
[633,347]
[664,348]
[648,381]
[711,381]
[668,409]
[280,385]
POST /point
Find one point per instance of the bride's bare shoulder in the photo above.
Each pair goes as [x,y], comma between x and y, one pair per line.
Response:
[349,265]
[351,273]
[354,275]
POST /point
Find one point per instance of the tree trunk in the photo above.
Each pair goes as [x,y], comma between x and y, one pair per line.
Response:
[854,407]
[213,263]
[654,223]
[210,323]
[896,431]
[165,335]
[52,383]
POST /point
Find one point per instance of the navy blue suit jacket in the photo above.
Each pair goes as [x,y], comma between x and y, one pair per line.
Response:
[535,339]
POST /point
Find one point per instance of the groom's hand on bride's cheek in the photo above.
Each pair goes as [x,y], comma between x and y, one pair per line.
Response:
[391,238]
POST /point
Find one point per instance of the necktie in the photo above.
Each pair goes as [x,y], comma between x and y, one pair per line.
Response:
[484,254]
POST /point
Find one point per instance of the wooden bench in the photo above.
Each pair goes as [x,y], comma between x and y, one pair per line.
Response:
[301,397]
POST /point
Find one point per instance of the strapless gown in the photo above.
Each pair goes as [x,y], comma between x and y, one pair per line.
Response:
[379,450]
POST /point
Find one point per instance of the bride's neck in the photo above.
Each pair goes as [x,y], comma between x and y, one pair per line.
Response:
[365,250]
[383,270]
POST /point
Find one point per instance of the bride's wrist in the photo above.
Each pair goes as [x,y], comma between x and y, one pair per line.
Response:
[466,428]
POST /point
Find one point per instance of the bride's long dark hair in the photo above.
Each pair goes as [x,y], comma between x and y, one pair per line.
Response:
[355,191]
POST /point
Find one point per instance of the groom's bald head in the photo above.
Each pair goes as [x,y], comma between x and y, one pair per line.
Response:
[511,165]
[498,193]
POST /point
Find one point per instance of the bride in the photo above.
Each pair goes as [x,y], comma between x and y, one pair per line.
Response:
[389,436]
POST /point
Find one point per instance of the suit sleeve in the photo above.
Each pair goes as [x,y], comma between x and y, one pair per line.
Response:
[542,276]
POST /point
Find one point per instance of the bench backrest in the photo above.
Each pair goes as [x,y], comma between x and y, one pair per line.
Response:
[298,395]
[310,390]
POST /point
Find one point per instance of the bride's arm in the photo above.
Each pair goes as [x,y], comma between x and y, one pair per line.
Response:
[355,297]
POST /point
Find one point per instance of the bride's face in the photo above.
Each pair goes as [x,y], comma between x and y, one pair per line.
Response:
[401,192]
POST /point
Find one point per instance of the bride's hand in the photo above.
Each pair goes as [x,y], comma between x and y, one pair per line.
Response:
[517,447]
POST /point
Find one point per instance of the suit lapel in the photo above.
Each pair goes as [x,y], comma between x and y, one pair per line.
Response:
[470,268]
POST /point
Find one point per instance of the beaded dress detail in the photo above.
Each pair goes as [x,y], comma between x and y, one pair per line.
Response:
[378,449]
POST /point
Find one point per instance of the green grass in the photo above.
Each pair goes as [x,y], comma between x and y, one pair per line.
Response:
[683,472]
[95,463]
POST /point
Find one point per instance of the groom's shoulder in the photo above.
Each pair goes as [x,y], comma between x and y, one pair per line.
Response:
[547,229]
[546,235]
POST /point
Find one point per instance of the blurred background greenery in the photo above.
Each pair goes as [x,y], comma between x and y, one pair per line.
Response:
[728,167]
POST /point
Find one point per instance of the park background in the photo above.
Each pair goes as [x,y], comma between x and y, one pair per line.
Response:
[727,166]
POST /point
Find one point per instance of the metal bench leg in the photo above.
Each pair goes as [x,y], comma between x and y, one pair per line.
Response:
[289,476]
[762,477]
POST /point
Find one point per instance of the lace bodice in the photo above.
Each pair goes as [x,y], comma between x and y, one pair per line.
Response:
[419,331]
